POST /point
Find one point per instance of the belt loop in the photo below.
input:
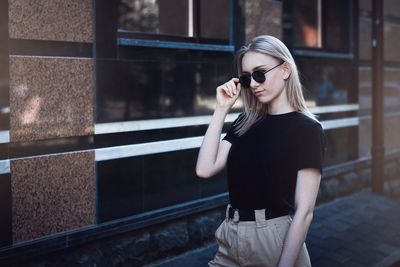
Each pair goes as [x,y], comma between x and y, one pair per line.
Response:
[227,211]
[236,216]
[260,217]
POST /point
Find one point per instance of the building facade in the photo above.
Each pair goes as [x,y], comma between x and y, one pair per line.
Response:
[103,106]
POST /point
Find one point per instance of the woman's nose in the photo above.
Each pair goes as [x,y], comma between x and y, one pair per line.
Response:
[253,83]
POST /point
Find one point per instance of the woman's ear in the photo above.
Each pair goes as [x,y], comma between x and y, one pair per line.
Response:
[286,71]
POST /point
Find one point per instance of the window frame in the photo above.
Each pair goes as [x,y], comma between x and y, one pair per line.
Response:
[288,33]
[125,37]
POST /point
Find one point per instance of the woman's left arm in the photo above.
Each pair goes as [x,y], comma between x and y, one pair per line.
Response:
[308,181]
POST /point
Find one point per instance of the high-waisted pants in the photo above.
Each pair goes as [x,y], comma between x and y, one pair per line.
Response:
[254,243]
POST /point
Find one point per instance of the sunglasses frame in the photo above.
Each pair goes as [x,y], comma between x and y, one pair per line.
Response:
[257,75]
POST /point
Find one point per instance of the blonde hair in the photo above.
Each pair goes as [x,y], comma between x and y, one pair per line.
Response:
[255,110]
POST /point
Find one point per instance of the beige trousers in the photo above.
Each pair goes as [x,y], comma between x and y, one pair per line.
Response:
[254,243]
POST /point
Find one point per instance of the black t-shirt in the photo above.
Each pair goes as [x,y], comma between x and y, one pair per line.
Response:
[263,163]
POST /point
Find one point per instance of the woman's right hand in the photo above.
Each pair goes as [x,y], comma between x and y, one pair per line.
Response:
[228,93]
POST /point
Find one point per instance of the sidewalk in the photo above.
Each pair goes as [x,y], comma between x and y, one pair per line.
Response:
[358,230]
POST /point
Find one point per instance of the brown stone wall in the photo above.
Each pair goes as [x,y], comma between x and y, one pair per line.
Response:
[391,77]
[52,194]
[51,100]
[262,17]
[55,20]
[50,97]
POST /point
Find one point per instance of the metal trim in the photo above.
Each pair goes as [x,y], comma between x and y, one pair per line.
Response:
[177,45]
[4,166]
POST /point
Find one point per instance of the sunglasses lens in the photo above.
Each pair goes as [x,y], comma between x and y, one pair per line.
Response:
[258,76]
[245,81]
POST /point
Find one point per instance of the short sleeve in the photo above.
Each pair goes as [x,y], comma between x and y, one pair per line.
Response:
[311,145]
[231,136]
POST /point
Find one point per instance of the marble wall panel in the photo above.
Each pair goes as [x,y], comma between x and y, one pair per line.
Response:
[391,33]
[56,20]
[365,5]
[50,97]
[392,114]
[365,88]
[364,39]
[51,194]
[391,134]
[392,88]
[262,17]
[391,8]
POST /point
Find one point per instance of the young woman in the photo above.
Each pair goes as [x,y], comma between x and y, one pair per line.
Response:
[273,152]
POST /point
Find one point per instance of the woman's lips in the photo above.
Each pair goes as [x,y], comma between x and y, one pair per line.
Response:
[258,93]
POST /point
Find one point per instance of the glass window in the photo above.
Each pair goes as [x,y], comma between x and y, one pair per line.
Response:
[205,19]
[326,81]
[336,33]
[154,16]
[213,19]
[321,24]
[307,26]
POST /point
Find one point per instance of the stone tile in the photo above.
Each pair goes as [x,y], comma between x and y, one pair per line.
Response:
[334,256]
[386,249]
[391,8]
[50,97]
[365,5]
[324,262]
[364,38]
[331,243]
[56,20]
[52,194]
[391,33]
[261,17]
[339,226]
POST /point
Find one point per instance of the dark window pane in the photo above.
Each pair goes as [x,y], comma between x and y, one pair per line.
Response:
[307,30]
[336,19]
[322,24]
[164,85]
[169,17]
[342,145]
[134,185]
[214,19]
[327,82]
[5,210]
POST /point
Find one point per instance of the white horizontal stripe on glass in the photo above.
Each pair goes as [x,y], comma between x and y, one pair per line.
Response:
[340,123]
[125,151]
[334,108]
[141,125]
[130,126]
[147,148]
[4,136]
[4,166]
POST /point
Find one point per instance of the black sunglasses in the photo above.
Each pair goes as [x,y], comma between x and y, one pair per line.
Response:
[258,76]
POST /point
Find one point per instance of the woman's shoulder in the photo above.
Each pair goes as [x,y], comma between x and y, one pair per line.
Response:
[305,122]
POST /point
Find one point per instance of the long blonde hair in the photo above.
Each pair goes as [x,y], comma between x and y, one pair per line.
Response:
[255,110]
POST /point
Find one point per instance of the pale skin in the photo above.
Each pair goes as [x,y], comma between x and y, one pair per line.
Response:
[213,153]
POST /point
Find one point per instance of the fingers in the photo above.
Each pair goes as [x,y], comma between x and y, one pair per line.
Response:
[230,87]
[237,85]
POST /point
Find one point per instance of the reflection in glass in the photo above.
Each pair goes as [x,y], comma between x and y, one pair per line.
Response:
[342,145]
[172,17]
[214,19]
[133,185]
[327,81]
[134,89]
[336,35]
[307,23]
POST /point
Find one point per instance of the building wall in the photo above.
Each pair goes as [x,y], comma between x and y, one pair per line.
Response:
[50,110]
[67,89]
[391,34]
